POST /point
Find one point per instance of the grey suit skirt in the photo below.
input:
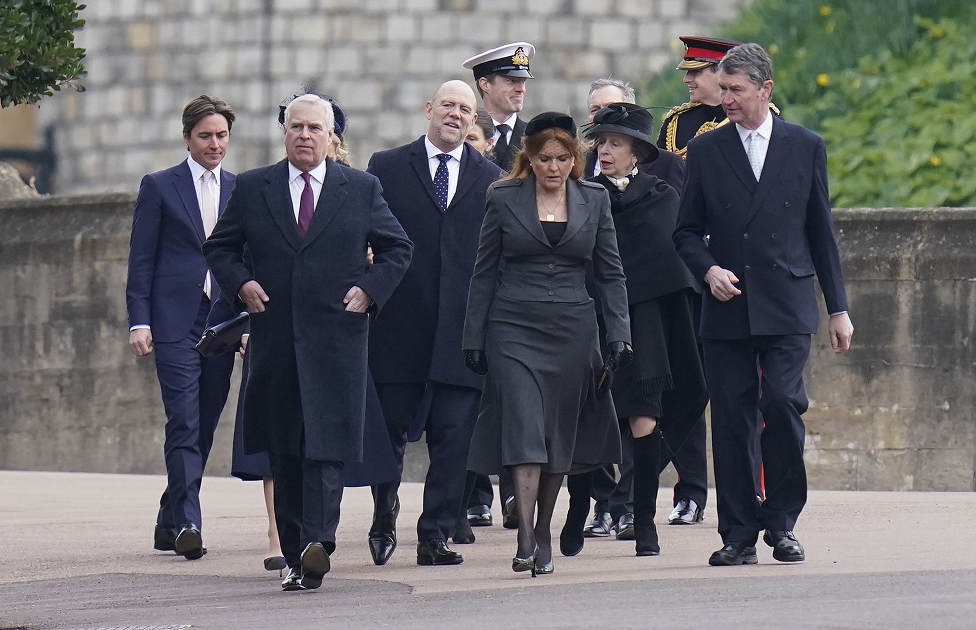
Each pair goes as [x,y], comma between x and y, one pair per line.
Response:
[539,404]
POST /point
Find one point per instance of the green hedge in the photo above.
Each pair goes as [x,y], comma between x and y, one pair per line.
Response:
[887,83]
[37,48]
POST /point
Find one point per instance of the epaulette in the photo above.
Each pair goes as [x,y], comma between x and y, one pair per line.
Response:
[680,108]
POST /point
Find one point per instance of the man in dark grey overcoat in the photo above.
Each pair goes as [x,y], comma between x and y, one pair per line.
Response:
[307,221]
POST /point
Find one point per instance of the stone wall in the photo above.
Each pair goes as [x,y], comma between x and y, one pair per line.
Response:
[896,413]
[381,59]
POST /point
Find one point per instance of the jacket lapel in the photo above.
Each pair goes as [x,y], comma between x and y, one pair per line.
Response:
[576,209]
[278,198]
[331,199]
[735,153]
[524,208]
[418,159]
[466,176]
[188,195]
[226,185]
[776,155]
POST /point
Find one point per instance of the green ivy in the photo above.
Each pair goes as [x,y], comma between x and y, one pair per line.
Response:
[37,49]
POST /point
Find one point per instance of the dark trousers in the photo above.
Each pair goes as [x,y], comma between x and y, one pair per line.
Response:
[194,390]
[483,493]
[691,463]
[612,495]
[307,494]
[739,395]
[450,423]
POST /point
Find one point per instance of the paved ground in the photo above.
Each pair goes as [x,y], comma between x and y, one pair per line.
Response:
[76,553]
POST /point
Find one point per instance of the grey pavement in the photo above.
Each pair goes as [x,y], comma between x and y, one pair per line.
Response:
[76,554]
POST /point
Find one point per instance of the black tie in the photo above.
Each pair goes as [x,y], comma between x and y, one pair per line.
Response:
[441,180]
[501,147]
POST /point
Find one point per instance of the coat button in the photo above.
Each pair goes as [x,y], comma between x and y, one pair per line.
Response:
[774,236]
[552,293]
[745,236]
[550,279]
[775,266]
[787,204]
[552,266]
[747,267]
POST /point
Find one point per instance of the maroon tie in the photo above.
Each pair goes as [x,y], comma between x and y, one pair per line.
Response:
[306,206]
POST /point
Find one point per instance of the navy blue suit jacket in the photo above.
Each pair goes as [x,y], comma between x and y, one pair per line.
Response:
[418,335]
[774,234]
[166,264]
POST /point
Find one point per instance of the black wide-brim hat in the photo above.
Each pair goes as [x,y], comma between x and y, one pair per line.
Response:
[549,120]
[627,119]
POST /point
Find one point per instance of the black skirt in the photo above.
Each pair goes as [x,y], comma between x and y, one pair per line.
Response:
[539,404]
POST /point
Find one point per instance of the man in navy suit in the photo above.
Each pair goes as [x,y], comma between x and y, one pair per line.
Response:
[169,294]
[755,225]
[436,187]
[306,222]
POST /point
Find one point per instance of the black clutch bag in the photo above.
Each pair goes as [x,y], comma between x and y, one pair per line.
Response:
[224,337]
[604,380]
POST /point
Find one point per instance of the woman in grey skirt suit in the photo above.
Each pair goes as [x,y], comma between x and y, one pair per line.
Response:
[531,327]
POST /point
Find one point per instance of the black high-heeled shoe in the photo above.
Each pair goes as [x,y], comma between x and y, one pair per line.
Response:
[520,565]
[275,563]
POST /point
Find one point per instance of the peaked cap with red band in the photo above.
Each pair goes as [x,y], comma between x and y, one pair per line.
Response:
[701,52]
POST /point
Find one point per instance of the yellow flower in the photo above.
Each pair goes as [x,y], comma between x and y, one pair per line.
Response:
[823,80]
[773,49]
[935,161]
[830,26]
[825,10]
[856,84]
[938,32]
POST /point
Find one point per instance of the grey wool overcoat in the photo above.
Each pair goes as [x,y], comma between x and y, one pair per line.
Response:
[307,388]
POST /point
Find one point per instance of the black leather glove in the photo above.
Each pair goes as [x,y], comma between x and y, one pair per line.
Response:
[476,361]
[619,354]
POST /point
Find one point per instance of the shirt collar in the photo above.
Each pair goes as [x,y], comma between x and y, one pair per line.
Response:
[510,122]
[196,170]
[433,151]
[765,129]
[317,173]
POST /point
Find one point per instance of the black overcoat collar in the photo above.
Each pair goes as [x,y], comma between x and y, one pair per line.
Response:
[278,198]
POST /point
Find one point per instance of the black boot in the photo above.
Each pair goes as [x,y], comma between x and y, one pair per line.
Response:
[571,537]
[647,457]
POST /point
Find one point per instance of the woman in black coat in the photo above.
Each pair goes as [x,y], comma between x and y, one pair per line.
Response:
[531,326]
[663,389]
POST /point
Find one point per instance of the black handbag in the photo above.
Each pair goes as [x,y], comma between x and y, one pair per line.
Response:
[224,337]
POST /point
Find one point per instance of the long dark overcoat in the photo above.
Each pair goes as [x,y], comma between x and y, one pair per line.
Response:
[308,355]
[418,336]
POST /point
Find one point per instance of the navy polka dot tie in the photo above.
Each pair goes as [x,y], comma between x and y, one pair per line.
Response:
[441,180]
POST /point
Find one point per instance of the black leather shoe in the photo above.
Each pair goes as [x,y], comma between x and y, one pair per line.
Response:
[786,548]
[479,516]
[732,554]
[686,512]
[624,529]
[315,564]
[189,543]
[435,551]
[462,534]
[598,526]
[294,580]
[164,539]
[383,536]
[510,518]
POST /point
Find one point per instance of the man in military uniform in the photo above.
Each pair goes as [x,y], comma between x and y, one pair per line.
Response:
[703,111]
[500,75]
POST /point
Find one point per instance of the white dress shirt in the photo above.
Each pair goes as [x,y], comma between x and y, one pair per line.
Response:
[296,184]
[453,166]
[511,127]
[764,131]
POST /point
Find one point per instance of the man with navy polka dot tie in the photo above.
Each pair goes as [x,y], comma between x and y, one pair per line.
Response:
[436,186]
